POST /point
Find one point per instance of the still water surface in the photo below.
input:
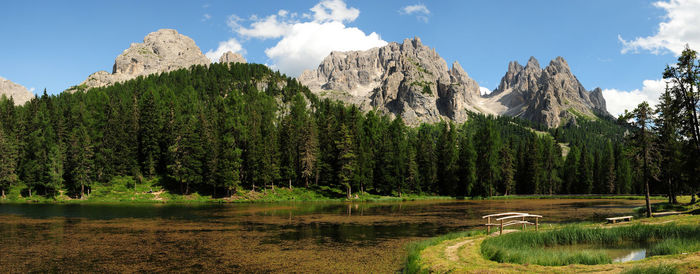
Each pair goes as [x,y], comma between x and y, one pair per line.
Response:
[271,237]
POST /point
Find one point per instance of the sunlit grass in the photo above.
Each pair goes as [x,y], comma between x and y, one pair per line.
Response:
[531,247]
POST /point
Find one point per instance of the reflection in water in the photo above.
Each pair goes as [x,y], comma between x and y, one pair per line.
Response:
[270,237]
[634,255]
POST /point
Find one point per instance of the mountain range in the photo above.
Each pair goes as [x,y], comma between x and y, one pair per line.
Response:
[409,80]
[412,81]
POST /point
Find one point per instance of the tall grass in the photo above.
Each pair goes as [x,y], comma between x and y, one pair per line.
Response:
[531,247]
[412,264]
[655,269]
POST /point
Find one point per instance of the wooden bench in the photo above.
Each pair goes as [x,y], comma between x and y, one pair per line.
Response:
[616,219]
[508,216]
[668,213]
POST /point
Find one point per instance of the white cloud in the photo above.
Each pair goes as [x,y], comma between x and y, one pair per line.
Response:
[305,46]
[618,101]
[334,10]
[304,41]
[32,89]
[681,27]
[419,10]
[484,90]
[231,45]
[206,17]
[266,28]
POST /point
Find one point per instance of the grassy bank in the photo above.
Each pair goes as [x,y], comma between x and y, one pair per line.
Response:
[127,190]
[540,247]
[678,236]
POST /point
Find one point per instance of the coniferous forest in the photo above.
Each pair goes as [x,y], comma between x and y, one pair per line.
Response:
[221,128]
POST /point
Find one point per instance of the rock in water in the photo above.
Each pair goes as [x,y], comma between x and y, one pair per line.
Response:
[550,96]
[230,57]
[161,51]
[408,80]
[17,92]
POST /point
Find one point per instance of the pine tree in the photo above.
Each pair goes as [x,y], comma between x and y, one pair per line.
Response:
[80,159]
[346,159]
[642,117]
[585,172]
[571,170]
[488,146]
[507,172]
[467,163]
[608,172]
[426,158]
[8,162]
[149,135]
[447,159]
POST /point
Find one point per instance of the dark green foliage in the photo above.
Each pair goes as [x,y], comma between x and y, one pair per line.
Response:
[220,128]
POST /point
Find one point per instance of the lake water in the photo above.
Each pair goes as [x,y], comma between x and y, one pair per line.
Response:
[270,237]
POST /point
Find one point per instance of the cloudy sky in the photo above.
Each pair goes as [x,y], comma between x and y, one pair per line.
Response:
[620,46]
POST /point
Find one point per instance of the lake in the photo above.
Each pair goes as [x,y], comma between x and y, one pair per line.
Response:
[256,237]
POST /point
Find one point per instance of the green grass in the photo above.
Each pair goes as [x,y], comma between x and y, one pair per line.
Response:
[656,269]
[530,247]
[413,265]
[581,196]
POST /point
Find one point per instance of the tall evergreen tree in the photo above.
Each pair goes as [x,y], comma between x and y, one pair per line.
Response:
[642,118]
[346,158]
[488,145]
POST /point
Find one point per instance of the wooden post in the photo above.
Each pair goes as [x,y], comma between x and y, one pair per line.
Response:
[537,223]
[488,225]
[501,233]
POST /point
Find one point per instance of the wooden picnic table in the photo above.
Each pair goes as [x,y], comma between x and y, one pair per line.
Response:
[510,215]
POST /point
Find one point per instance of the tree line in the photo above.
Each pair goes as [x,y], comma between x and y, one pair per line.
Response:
[222,128]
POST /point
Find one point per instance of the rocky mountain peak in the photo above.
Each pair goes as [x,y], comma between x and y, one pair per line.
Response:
[532,62]
[533,65]
[558,65]
[550,96]
[17,92]
[458,74]
[230,57]
[161,51]
[409,80]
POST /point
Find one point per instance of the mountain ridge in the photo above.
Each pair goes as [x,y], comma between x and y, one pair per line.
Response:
[412,81]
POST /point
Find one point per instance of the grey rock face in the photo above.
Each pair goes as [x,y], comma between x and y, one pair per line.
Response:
[17,92]
[408,80]
[550,96]
[161,51]
[230,57]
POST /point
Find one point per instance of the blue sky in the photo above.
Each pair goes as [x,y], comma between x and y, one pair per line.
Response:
[619,46]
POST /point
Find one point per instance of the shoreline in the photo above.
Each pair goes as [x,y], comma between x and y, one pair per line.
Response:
[281,195]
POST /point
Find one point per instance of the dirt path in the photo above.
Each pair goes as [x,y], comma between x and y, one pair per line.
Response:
[451,251]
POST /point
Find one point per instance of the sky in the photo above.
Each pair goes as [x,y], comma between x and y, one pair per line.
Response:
[620,46]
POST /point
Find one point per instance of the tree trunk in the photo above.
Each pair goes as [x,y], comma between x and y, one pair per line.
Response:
[348,191]
[82,191]
[290,184]
[646,184]
[30,192]
[3,193]
[187,188]
[692,196]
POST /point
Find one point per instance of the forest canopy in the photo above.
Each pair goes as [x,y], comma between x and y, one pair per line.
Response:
[221,128]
